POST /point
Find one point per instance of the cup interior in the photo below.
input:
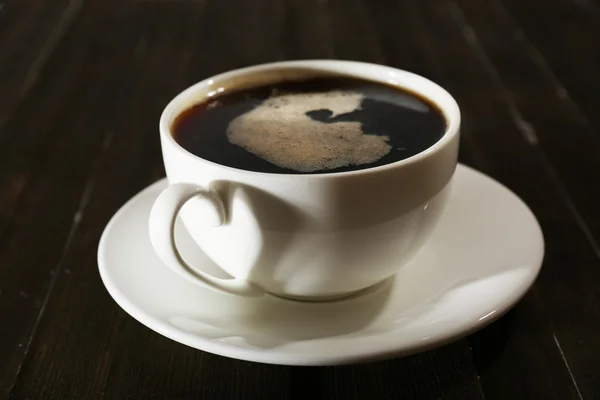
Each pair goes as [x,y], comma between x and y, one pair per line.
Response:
[272,73]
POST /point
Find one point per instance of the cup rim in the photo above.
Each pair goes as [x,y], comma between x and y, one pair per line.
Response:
[198,92]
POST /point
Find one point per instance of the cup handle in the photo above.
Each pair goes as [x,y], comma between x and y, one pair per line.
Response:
[162,235]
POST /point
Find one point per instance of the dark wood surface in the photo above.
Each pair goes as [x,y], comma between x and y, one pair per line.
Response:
[82,84]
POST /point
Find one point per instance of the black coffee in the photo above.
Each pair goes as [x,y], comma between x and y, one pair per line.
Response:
[319,125]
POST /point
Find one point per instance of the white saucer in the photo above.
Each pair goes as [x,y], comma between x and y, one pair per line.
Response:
[482,258]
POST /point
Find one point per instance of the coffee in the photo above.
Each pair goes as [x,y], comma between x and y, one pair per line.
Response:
[317,125]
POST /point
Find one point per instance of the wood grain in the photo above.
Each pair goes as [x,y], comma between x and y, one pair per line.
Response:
[546,111]
[52,176]
[25,51]
[566,35]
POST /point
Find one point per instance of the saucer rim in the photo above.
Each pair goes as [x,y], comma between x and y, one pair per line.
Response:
[361,354]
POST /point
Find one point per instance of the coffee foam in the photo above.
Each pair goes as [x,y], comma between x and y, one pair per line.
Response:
[279,131]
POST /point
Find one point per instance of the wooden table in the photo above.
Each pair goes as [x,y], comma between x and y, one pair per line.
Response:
[82,84]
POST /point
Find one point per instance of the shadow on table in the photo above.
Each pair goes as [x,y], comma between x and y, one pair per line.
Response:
[490,342]
[450,371]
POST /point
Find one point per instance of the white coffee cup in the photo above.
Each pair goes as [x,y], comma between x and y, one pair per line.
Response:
[302,236]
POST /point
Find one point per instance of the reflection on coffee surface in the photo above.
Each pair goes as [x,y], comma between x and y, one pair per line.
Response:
[318,125]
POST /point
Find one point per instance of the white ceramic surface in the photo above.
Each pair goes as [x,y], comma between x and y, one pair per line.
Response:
[482,257]
[303,235]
